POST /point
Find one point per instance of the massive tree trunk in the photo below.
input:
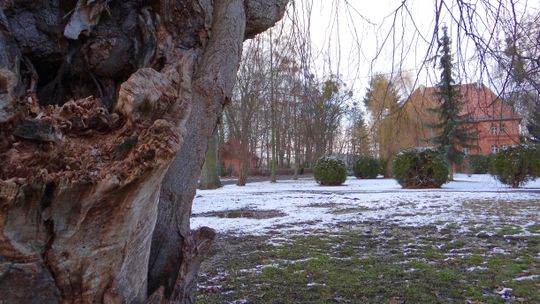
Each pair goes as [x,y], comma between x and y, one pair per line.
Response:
[105,112]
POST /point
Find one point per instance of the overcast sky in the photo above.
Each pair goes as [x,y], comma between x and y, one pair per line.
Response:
[354,38]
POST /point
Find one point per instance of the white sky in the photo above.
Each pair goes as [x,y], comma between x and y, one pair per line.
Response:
[353,44]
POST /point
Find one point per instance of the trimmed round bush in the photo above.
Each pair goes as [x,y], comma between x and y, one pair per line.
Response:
[329,171]
[478,164]
[366,167]
[420,168]
[516,165]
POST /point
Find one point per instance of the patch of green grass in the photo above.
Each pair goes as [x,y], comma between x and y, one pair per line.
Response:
[357,267]
[534,228]
[533,241]
[509,230]
[472,260]
[433,254]
[448,227]
[527,289]
[501,270]
[455,244]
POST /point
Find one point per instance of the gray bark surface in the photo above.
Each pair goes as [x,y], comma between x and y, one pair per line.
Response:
[210,170]
[213,86]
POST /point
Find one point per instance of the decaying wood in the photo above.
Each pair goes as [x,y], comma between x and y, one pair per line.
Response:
[105,111]
[194,247]
[10,60]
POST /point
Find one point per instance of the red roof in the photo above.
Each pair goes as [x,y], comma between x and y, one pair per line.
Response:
[478,101]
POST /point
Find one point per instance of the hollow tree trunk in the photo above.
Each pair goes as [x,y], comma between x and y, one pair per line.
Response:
[97,98]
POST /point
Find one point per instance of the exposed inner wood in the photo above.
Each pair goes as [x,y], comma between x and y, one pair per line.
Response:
[98,99]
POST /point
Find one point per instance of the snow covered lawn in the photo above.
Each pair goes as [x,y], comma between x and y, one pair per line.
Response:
[303,204]
[369,241]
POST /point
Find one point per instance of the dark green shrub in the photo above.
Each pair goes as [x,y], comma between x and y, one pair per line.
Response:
[516,165]
[420,168]
[366,167]
[478,164]
[329,171]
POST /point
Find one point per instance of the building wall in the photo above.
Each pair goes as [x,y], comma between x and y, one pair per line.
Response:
[490,141]
[484,107]
[230,154]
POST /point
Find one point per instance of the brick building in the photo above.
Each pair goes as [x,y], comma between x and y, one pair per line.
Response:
[496,124]
[231,152]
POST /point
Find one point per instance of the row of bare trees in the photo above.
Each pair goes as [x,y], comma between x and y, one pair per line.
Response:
[289,117]
[285,114]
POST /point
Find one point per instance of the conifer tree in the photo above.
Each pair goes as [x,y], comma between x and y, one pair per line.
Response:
[533,126]
[452,134]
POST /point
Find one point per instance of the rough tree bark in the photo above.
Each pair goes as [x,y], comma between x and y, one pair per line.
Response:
[210,170]
[97,98]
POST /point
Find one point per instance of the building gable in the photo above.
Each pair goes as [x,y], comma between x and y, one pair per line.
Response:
[496,123]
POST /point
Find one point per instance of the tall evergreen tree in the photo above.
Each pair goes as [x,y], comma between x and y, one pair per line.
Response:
[452,134]
[533,125]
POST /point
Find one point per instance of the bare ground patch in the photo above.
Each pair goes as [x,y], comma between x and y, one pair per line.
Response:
[323,205]
[244,213]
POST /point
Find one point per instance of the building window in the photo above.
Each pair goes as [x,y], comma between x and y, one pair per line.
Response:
[504,147]
[466,151]
[502,128]
[494,149]
[493,130]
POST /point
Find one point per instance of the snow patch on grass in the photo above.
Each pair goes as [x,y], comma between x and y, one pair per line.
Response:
[306,206]
[527,278]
